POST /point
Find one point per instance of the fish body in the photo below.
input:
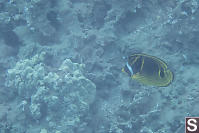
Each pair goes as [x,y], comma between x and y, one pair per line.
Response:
[148,70]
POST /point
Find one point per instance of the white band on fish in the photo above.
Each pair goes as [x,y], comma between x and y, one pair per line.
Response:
[130,68]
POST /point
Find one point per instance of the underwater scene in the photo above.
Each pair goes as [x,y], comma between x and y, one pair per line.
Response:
[98,66]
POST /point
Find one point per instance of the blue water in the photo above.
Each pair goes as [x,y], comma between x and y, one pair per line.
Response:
[61,61]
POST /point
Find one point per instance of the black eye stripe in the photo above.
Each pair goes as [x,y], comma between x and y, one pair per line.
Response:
[127,70]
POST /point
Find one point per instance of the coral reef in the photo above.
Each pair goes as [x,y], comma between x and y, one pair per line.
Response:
[61,60]
[41,92]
